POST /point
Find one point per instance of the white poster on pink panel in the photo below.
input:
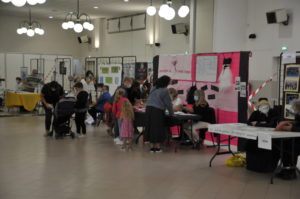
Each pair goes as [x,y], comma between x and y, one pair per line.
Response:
[175,66]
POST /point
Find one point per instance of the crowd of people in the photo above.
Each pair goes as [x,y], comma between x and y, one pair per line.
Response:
[158,101]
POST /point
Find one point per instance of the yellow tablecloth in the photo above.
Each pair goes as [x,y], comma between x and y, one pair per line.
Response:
[27,100]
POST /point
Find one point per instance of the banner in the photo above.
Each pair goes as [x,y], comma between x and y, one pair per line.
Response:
[176,66]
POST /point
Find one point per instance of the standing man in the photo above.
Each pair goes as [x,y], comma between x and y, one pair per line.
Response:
[50,95]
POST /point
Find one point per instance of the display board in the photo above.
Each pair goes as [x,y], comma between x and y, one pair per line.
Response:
[111,75]
[230,104]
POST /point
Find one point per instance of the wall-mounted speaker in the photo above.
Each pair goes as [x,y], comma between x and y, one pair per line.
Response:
[84,39]
[180,28]
[278,16]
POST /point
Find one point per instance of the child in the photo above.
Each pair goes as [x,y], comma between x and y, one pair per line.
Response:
[81,107]
[116,110]
[127,117]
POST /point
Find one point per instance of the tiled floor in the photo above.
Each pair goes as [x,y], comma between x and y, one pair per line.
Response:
[33,167]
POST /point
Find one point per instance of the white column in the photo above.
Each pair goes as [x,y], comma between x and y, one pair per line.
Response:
[192,34]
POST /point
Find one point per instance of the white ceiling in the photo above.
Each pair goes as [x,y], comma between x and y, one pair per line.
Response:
[59,8]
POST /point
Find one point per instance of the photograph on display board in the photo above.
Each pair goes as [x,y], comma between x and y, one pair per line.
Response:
[141,71]
[288,112]
[104,70]
[292,71]
[290,97]
[129,70]
[24,72]
[108,80]
[115,69]
[291,84]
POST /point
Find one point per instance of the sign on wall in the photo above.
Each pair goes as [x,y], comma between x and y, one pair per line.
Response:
[176,66]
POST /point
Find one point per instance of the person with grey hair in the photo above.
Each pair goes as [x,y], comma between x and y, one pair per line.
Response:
[288,158]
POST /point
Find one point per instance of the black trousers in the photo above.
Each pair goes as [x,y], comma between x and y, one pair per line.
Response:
[93,112]
[288,158]
[48,118]
[79,120]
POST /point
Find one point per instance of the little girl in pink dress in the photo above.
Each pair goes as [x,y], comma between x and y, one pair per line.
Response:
[127,130]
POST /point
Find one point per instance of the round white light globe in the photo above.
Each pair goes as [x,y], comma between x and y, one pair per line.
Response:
[86,25]
[37,30]
[30,33]
[91,27]
[19,31]
[65,25]
[78,28]
[71,24]
[162,10]
[24,30]
[5,1]
[18,3]
[42,31]
[183,11]
[151,10]
[41,1]
[170,14]
[32,2]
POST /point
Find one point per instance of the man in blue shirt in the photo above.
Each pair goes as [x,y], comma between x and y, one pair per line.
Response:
[101,101]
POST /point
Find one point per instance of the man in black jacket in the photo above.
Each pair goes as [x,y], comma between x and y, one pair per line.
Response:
[50,95]
[265,116]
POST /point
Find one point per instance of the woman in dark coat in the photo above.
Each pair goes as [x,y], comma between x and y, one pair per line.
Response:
[158,101]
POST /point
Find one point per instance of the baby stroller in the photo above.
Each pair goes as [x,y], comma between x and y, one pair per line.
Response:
[63,112]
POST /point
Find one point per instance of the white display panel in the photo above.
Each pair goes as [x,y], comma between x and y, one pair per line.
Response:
[49,67]
[13,64]
[2,69]
[113,25]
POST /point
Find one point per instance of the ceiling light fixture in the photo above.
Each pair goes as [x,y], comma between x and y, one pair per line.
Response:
[20,3]
[96,7]
[151,10]
[183,10]
[50,17]
[30,27]
[166,10]
[77,21]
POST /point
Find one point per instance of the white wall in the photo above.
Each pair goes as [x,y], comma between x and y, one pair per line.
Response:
[55,41]
[236,19]
[230,23]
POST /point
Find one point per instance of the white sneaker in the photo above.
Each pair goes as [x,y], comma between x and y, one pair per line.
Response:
[81,136]
[116,139]
[119,142]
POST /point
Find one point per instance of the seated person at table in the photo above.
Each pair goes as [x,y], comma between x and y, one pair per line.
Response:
[19,84]
[264,116]
[176,101]
[32,82]
[99,106]
[201,107]
[288,159]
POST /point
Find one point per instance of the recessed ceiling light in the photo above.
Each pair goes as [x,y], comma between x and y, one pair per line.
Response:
[96,7]
[51,17]
[126,0]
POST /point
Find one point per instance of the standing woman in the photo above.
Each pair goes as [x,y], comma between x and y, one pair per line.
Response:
[159,100]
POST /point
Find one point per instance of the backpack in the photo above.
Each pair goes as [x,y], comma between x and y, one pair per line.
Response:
[190,94]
